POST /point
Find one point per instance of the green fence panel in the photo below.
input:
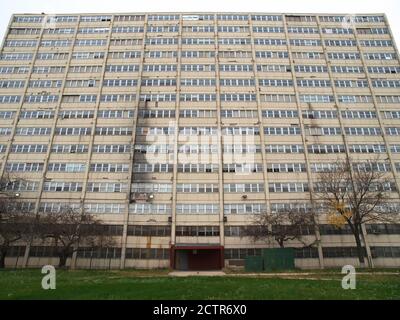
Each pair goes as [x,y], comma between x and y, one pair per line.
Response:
[254,264]
[278,259]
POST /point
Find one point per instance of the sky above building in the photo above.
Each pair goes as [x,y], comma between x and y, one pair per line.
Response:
[390,7]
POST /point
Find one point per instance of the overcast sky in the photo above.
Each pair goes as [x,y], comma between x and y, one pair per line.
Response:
[390,7]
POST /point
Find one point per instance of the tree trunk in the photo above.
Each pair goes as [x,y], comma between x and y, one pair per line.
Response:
[63,260]
[2,260]
[360,249]
[3,254]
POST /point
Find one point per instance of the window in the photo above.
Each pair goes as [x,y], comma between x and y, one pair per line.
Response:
[62,186]
[161,29]
[203,208]
[12,84]
[115,114]
[73,131]
[191,113]
[267,29]
[122,68]
[146,231]
[152,167]
[319,114]
[198,82]
[242,167]
[24,166]
[198,148]
[29,148]
[40,98]
[106,187]
[392,131]
[14,70]
[113,131]
[36,115]
[270,42]
[81,83]
[69,148]
[149,208]
[196,67]
[284,148]
[76,114]
[7,114]
[288,187]
[127,29]
[45,83]
[198,131]
[161,82]
[90,42]
[243,187]
[109,167]
[325,148]
[55,43]
[105,208]
[286,167]
[322,131]
[350,114]
[367,148]
[282,130]
[196,188]
[111,148]
[147,253]
[32,131]
[151,187]
[157,97]
[167,41]
[363,131]
[78,98]
[197,41]
[238,97]
[275,83]
[197,168]
[95,18]
[231,131]
[314,83]
[66,167]
[343,56]
[239,113]
[241,148]
[16,56]
[241,208]
[305,42]
[9,99]
[123,54]
[155,130]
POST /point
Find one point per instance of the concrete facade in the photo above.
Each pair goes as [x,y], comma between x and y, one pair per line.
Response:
[176,128]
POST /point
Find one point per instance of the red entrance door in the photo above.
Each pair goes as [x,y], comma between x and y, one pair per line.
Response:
[197,258]
[204,259]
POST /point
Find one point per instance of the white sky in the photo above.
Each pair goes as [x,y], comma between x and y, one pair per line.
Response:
[390,7]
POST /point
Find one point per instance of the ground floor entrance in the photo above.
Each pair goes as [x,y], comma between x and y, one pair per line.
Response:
[199,257]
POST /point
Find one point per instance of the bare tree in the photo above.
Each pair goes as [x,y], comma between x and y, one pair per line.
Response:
[16,222]
[356,194]
[70,228]
[281,226]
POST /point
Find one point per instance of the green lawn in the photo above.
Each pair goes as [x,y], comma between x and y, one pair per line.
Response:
[135,284]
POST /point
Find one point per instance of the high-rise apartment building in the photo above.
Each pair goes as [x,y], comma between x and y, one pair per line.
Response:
[176,128]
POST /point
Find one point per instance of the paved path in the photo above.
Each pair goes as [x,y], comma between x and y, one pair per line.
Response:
[278,274]
[196,273]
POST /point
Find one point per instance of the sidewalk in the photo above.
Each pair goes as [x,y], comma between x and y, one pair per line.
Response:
[196,273]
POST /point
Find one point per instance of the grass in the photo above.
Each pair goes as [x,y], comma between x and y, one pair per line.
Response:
[155,284]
